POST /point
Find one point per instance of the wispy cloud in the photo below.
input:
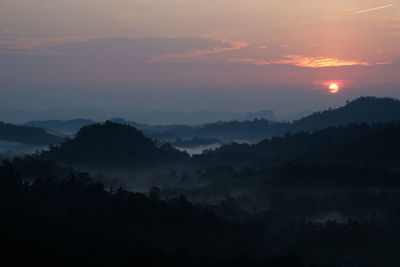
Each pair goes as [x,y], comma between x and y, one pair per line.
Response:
[224,47]
[34,45]
[383,63]
[371,9]
[309,62]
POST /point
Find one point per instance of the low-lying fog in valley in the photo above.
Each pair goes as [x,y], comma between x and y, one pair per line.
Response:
[12,149]
[199,149]
[297,193]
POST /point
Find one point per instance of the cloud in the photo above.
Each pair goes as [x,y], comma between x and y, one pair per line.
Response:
[225,46]
[309,62]
[35,45]
[383,63]
[169,48]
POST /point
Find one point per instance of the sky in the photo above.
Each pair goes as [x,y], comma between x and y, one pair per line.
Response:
[189,55]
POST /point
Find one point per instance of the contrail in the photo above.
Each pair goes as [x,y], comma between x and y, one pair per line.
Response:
[371,9]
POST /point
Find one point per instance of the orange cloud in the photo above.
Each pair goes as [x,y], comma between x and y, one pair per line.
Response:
[229,46]
[309,62]
[383,63]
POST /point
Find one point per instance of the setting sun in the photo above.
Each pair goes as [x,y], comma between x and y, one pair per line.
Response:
[334,88]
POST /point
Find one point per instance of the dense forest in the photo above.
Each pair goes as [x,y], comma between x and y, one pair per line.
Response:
[317,196]
[376,144]
[112,145]
[74,221]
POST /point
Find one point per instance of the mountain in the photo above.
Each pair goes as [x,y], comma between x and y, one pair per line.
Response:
[233,130]
[65,127]
[293,116]
[146,129]
[111,145]
[361,110]
[192,118]
[263,114]
[376,144]
[27,135]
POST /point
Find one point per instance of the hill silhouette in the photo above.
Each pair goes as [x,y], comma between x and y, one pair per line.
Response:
[374,144]
[66,127]
[27,135]
[360,110]
[112,144]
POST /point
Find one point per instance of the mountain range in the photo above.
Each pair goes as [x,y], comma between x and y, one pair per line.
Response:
[362,110]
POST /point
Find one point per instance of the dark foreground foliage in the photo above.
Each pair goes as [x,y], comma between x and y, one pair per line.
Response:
[76,222]
[60,218]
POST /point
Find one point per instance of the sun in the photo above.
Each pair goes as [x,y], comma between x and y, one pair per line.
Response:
[334,88]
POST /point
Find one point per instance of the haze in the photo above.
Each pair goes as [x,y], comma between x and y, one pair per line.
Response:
[190,55]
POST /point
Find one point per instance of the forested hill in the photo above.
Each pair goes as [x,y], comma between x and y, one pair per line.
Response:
[233,130]
[27,135]
[376,144]
[361,110]
[112,144]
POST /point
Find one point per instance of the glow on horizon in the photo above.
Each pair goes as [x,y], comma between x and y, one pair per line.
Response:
[193,46]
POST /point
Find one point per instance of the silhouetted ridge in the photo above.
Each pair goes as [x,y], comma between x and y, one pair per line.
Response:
[69,126]
[27,135]
[253,130]
[361,110]
[112,144]
[375,144]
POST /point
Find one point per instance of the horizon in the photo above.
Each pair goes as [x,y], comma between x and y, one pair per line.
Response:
[156,117]
[187,56]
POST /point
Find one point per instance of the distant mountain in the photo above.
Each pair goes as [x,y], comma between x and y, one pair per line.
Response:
[27,135]
[146,129]
[193,118]
[65,127]
[264,114]
[162,117]
[112,145]
[361,110]
[293,116]
[254,130]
